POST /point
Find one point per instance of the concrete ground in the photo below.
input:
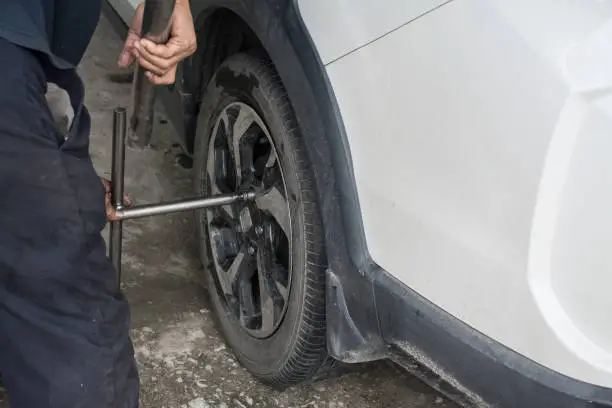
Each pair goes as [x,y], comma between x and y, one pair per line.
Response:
[183,360]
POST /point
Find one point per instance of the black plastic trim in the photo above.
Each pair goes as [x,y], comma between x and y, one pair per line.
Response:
[352,340]
[467,360]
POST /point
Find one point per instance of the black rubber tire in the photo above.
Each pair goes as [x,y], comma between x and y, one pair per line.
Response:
[296,351]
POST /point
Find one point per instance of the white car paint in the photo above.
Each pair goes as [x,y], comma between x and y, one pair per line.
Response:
[341,26]
[480,135]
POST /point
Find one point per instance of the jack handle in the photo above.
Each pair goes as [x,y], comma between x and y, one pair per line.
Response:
[155,27]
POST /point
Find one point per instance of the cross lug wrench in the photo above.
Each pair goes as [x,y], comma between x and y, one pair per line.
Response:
[155,26]
[125,213]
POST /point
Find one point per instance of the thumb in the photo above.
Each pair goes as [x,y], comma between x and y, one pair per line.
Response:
[126,57]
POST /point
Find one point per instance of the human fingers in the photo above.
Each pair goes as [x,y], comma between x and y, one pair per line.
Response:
[126,56]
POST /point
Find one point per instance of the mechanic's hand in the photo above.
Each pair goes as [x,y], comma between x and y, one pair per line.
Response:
[160,61]
[111,214]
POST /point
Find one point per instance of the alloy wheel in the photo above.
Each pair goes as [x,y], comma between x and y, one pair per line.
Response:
[250,242]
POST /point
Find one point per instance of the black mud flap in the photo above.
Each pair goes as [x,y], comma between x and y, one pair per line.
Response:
[353,333]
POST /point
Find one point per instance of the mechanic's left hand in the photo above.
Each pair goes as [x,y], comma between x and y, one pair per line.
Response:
[160,60]
[111,213]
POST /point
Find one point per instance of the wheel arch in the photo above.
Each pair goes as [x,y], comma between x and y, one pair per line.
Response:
[275,27]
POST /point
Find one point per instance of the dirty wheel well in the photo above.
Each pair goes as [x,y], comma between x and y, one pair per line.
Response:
[221,33]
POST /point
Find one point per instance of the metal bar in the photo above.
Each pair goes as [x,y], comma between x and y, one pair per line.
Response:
[117,185]
[155,27]
[182,205]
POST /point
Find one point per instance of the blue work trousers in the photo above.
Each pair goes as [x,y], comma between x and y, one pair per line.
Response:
[64,326]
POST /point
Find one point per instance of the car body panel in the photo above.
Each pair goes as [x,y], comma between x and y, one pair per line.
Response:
[479,150]
[341,26]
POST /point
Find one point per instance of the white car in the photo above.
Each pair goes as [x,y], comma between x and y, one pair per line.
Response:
[435,187]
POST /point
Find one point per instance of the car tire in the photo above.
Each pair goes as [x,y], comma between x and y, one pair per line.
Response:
[296,350]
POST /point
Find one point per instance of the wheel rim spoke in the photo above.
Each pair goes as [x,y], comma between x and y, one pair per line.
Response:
[273,202]
[247,309]
[242,143]
[272,160]
[220,173]
[224,248]
[267,309]
[239,267]
[271,175]
[242,124]
[267,288]
[283,291]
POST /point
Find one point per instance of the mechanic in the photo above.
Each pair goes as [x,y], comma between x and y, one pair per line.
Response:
[64,328]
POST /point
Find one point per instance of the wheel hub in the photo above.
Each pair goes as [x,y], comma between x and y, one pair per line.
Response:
[250,242]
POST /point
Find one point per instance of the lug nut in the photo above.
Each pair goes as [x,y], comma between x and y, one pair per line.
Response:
[259,230]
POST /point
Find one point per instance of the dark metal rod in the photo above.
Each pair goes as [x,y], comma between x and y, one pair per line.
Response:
[182,205]
[117,185]
[155,27]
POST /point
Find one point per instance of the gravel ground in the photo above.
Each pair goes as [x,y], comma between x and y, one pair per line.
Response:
[183,360]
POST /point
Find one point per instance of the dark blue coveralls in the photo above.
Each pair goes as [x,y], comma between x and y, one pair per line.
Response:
[64,328]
